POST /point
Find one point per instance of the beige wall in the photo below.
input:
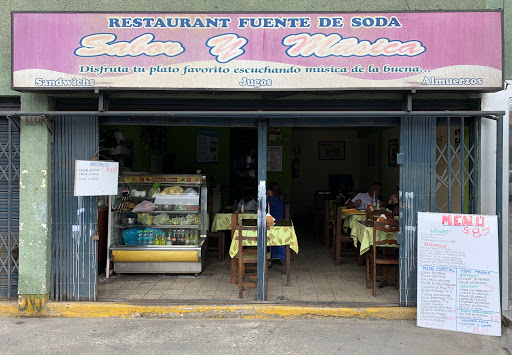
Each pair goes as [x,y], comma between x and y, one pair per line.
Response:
[369,174]
[313,173]
[390,175]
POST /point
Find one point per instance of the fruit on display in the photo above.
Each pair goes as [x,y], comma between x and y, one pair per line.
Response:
[172,190]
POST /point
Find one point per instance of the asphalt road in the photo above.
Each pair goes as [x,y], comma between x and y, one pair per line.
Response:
[233,336]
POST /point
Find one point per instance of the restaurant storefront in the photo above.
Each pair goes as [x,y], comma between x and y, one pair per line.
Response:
[287,75]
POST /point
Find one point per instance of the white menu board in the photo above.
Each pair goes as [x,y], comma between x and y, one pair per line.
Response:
[207,146]
[96,178]
[458,273]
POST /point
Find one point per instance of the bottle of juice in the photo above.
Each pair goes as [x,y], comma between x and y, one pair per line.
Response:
[168,240]
[151,237]
[139,238]
[174,240]
[145,237]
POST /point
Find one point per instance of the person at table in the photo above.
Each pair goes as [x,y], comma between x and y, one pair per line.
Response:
[276,191]
[276,210]
[362,199]
[393,203]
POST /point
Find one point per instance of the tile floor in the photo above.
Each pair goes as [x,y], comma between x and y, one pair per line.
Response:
[314,279]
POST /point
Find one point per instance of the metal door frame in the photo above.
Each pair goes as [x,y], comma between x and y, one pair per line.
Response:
[270,118]
[74,219]
[10,149]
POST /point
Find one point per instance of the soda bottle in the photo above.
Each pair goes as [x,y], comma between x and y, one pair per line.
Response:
[182,237]
[174,240]
[139,238]
[374,202]
[151,237]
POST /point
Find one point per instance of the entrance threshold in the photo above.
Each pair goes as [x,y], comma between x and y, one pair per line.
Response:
[315,280]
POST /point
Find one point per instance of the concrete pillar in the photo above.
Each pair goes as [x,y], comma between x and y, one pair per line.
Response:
[35,209]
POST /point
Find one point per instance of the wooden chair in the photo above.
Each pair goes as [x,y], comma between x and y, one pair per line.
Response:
[218,248]
[234,223]
[341,237]
[328,225]
[388,259]
[248,259]
[234,266]
[371,216]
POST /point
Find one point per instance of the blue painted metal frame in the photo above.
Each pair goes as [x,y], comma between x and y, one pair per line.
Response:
[499,194]
[262,204]
[417,172]
[74,252]
[9,205]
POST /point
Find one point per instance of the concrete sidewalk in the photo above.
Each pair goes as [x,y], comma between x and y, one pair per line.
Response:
[234,336]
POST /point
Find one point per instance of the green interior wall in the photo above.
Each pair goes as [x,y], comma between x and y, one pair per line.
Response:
[284,177]
[182,142]
[141,155]
[388,186]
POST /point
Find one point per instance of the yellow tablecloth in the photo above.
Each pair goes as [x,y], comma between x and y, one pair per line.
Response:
[364,235]
[222,221]
[351,216]
[276,235]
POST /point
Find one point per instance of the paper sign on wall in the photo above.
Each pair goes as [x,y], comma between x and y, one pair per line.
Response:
[96,178]
[207,146]
[458,273]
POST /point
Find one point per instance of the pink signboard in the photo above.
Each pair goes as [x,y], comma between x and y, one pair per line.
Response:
[250,51]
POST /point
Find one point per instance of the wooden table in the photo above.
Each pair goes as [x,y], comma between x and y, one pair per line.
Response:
[276,236]
[364,235]
[222,221]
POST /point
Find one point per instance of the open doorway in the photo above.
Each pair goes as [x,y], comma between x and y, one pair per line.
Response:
[302,172]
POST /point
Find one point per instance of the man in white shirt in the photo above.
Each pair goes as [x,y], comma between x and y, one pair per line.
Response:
[362,199]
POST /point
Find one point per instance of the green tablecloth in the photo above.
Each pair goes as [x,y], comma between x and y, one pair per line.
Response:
[364,235]
[276,235]
[222,221]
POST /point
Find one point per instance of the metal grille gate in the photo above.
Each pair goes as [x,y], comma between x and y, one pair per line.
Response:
[75,219]
[9,205]
[439,170]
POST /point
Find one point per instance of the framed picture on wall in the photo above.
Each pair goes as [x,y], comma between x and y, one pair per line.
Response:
[333,150]
[371,154]
[392,152]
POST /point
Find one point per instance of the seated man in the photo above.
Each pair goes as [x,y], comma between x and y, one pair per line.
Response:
[276,210]
[394,203]
[362,199]
[274,202]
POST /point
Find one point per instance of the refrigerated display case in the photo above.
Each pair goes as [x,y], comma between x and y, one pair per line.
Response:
[157,224]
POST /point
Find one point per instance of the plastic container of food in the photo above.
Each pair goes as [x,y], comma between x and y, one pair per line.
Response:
[128,220]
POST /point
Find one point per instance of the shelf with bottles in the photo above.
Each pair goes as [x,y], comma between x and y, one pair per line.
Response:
[170,226]
[174,237]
